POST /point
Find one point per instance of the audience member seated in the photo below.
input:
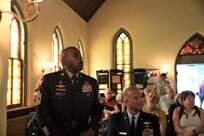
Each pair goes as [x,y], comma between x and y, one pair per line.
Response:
[120,107]
[146,92]
[152,101]
[188,119]
[166,100]
[109,104]
[133,122]
[170,126]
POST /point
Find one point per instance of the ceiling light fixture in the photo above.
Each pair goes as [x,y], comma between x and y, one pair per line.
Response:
[37,1]
[31,11]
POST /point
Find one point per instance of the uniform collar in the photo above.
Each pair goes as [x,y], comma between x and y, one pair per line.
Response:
[136,115]
[70,74]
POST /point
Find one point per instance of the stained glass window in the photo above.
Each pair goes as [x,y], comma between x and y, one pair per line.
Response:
[194,46]
[15,62]
[123,56]
[56,49]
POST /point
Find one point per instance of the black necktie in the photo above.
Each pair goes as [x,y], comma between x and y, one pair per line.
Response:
[74,78]
[132,126]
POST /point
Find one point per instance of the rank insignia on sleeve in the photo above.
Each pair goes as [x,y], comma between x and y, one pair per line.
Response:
[37,97]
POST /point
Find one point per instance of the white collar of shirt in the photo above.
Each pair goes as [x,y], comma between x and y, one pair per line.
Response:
[130,117]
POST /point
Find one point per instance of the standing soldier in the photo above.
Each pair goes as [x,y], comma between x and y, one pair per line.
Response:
[67,101]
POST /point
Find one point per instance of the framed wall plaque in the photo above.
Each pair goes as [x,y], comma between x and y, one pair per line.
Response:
[153,76]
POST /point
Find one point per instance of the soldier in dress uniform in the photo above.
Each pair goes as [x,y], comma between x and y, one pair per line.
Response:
[133,121]
[67,101]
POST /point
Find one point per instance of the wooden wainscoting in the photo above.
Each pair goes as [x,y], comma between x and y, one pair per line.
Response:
[17,119]
[16,126]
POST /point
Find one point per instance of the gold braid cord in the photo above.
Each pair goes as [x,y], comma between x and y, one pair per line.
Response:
[31,11]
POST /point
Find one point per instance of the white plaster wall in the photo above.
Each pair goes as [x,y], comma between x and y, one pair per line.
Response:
[158,28]
[4,44]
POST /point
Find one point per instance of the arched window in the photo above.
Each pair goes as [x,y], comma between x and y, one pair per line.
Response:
[56,49]
[16,71]
[80,47]
[193,46]
[189,65]
[122,46]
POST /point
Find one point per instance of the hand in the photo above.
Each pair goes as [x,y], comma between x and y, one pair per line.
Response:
[112,112]
[88,132]
[188,133]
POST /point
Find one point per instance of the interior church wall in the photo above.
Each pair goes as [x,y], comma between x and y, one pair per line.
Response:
[38,45]
[158,30]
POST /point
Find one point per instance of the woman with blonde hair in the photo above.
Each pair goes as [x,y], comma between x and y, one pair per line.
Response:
[120,107]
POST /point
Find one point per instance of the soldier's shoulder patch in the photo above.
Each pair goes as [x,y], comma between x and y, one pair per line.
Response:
[41,81]
[37,97]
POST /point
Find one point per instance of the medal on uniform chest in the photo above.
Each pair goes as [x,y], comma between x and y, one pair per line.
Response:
[60,87]
[147,131]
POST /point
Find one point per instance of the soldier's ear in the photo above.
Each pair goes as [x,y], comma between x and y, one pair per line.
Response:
[62,61]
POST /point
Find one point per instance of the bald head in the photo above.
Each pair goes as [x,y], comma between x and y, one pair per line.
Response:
[133,100]
[128,91]
[71,59]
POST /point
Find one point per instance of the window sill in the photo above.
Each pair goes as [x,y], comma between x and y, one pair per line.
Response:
[13,113]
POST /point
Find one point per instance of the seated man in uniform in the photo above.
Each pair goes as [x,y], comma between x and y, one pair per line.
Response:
[133,122]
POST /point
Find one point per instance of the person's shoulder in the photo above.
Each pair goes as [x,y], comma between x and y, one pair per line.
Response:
[87,77]
[160,111]
[149,115]
[49,75]
[177,109]
[118,115]
[162,97]
[173,106]
[167,81]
